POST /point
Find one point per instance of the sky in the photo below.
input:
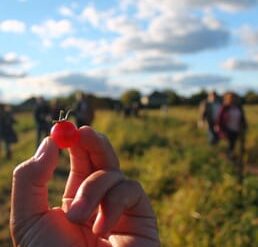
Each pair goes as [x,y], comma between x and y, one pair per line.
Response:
[52,47]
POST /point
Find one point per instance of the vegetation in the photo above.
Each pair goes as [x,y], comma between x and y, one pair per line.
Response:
[193,187]
[131,96]
[251,97]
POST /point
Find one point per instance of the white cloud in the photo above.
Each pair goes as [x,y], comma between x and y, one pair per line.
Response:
[183,83]
[91,15]
[14,66]
[227,5]
[31,86]
[83,45]
[52,29]
[167,31]
[187,83]
[149,8]
[151,63]
[95,17]
[249,35]
[10,73]
[168,34]
[12,26]
[91,82]
[66,11]
[97,51]
[121,24]
[241,65]
[10,58]
[174,35]
[200,80]
[235,5]
[56,84]
[210,21]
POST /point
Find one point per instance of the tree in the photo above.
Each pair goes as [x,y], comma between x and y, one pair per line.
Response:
[251,97]
[196,99]
[131,96]
[172,97]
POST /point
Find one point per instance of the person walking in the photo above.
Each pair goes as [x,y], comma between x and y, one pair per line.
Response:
[42,116]
[9,135]
[210,109]
[232,121]
[83,110]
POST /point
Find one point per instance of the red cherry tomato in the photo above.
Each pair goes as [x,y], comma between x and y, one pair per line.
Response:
[64,134]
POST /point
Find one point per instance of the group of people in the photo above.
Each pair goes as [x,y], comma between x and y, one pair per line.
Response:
[224,116]
[45,113]
[225,119]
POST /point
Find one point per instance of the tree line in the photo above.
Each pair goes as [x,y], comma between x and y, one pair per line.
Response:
[131,96]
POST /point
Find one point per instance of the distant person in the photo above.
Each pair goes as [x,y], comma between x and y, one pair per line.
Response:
[118,108]
[131,110]
[164,110]
[42,116]
[55,109]
[135,109]
[210,109]
[232,122]
[8,134]
[126,111]
[83,110]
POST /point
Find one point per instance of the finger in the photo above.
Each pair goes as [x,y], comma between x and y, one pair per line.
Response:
[99,149]
[126,198]
[29,188]
[91,153]
[90,194]
[80,168]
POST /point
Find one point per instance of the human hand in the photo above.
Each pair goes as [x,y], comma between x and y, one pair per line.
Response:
[100,208]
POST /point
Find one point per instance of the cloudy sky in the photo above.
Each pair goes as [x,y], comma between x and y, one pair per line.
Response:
[52,48]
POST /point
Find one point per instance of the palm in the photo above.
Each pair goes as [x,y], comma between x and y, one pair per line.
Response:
[67,234]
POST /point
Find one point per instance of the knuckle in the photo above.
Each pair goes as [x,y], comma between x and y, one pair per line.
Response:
[86,131]
[136,185]
[22,170]
[89,185]
[86,128]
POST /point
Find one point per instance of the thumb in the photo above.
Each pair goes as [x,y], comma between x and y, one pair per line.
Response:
[29,188]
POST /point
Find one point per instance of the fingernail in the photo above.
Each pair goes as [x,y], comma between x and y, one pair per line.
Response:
[41,149]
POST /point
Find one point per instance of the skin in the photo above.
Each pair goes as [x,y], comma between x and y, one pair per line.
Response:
[100,207]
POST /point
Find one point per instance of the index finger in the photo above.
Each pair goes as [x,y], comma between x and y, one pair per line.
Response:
[92,152]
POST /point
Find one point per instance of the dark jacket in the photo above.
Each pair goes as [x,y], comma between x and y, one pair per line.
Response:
[223,118]
[7,128]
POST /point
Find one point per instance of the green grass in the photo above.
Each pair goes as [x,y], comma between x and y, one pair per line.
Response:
[193,187]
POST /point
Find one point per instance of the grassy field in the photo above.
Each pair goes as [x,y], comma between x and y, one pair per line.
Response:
[193,187]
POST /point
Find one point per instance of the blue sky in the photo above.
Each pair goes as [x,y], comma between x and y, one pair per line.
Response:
[52,48]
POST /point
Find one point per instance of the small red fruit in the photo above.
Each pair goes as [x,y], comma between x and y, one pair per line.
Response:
[64,133]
